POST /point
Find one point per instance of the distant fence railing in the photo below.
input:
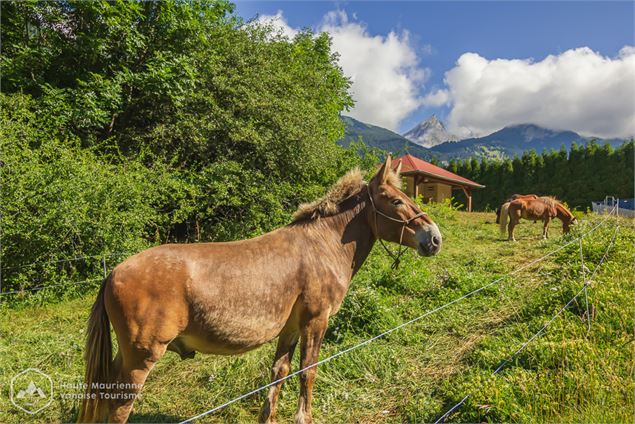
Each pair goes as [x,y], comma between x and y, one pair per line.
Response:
[623,207]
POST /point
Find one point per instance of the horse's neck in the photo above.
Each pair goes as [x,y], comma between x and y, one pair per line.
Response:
[562,213]
[357,238]
[345,238]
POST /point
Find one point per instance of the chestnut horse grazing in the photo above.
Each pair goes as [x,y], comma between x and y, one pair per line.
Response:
[229,298]
[542,208]
[513,197]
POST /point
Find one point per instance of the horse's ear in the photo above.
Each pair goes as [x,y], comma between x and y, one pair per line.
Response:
[382,175]
[398,169]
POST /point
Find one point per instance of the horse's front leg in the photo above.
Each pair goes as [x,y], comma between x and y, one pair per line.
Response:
[280,369]
[312,335]
[545,228]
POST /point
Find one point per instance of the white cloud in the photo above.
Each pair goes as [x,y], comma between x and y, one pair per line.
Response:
[436,98]
[578,90]
[384,70]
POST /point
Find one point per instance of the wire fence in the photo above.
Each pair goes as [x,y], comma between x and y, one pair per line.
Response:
[381,335]
[75,259]
[404,324]
[103,267]
[81,258]
[542,329]
[68,283]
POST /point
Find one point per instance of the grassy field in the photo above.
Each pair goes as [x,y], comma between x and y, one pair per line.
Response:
[415,374]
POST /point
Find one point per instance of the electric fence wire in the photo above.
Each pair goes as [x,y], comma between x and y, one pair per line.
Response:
[404,324]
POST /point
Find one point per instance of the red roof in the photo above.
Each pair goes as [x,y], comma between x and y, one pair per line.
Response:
[413,165]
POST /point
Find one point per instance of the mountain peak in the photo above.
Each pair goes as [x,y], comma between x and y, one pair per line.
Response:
[507,142]
[429,133]
[527,132]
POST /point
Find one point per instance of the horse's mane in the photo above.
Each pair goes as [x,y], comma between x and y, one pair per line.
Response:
[551,201]
[328,205]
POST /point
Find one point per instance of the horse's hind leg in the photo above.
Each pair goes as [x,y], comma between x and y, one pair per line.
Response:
[514,219]
[135,365]
[510,227]
[280,369]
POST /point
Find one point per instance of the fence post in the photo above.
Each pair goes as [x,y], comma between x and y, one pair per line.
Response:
[103,261]
[586,293]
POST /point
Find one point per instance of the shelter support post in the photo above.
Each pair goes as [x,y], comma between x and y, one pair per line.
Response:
[468,196]
[415,189]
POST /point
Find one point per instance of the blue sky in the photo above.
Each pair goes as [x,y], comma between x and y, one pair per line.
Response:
[439,33]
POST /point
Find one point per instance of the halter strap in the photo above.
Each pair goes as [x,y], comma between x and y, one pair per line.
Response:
[395,256]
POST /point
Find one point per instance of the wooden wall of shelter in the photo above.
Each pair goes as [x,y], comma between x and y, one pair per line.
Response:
[432,189]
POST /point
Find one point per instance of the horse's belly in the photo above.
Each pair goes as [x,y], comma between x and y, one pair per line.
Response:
[197,343]
[226,337]
[234,325]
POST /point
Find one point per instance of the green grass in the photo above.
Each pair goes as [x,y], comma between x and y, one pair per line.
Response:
[416,373]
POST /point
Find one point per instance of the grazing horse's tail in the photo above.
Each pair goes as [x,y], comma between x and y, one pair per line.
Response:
[503,217]
[98,356]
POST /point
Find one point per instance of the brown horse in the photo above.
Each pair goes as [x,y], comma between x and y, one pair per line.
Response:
[514,197]
[229,298]
[543,208]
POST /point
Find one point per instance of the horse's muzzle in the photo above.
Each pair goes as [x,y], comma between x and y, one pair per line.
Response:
[430,240]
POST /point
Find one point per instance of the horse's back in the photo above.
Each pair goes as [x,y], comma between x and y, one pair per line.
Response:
[532,208]
[174,265]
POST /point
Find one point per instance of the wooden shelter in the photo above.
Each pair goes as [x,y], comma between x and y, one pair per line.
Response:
[434,183]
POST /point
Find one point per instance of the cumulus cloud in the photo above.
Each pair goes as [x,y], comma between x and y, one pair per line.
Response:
[436,98]
[578,90]
[384,70]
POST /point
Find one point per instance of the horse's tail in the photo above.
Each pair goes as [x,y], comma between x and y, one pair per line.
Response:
[98,356]
[503,217]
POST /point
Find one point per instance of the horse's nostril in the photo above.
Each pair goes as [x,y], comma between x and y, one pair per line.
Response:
[436,241]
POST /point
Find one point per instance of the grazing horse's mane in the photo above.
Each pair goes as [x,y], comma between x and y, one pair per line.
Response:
[351,183]
[551,201]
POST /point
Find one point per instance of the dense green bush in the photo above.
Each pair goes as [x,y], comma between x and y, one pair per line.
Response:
[185,82]
[60,201]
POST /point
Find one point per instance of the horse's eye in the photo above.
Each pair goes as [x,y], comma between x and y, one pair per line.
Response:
[397,202]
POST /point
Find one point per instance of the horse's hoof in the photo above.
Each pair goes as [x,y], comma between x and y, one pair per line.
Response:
[303,419]
[266,417]
[267,420]
[187,355]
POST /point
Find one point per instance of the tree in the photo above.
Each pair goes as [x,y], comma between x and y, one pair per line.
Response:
[587,173]
[204,127]
[248,116]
